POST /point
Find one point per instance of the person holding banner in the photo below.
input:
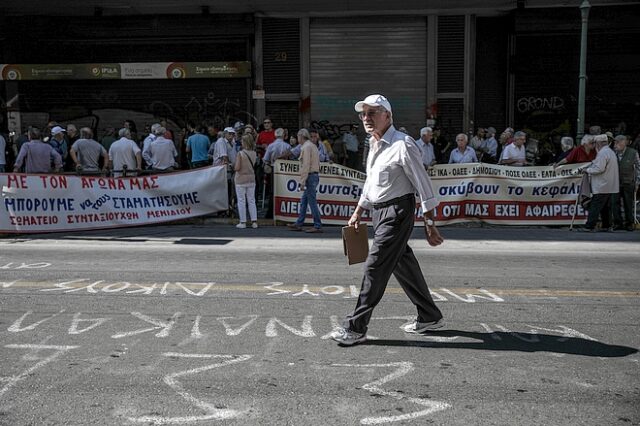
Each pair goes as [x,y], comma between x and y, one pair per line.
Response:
[394,174]
[125,154]
[463,153]
[515,154]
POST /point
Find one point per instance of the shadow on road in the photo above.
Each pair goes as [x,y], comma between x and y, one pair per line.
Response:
[202,241]
[192,233]
[524,342]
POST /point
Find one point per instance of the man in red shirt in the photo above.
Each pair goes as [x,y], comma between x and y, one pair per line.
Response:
[267,136]
[585,153]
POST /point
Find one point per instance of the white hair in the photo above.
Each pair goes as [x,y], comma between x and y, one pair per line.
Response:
[586,139]
[279,132]
[425,130]
[304,134]
[125,133]
[566,143]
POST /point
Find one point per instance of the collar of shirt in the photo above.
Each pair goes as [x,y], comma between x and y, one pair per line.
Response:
[396,171]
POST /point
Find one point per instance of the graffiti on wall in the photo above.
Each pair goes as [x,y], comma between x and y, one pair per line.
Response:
[332,130]
[104,113]
[532,103]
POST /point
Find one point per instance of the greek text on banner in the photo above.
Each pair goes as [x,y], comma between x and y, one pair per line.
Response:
[467,192]
[46,203]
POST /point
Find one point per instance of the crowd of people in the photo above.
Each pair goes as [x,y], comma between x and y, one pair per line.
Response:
[250,154]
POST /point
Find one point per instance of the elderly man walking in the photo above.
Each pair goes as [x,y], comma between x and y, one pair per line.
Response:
[394,174]
[604,183]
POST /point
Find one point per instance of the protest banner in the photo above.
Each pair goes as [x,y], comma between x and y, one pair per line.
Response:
[49,203]
[467,192]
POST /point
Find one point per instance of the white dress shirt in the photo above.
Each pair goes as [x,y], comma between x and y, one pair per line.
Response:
[162,153]
[145,148]
[394,170]
[428,156]
[512,152]
[219,150]
[468,156]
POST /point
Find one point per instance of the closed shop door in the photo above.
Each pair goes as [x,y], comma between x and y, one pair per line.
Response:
[352,58]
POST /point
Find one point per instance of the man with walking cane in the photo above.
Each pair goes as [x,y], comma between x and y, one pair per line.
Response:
[604,183]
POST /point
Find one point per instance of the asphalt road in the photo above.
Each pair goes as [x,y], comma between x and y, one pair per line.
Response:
[200,325]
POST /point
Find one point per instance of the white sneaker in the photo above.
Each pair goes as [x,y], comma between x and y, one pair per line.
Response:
[241,225]
[421,327]
[254,225]
[347,337]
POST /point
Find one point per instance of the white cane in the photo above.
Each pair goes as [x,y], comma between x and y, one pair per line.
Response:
[575,206]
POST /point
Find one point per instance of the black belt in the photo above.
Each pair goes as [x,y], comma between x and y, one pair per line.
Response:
[393,201]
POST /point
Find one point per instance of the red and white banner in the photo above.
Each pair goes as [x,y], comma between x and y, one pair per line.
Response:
[48,203]
[467,192]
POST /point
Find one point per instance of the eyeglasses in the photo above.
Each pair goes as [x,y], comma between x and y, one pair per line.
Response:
[369,114]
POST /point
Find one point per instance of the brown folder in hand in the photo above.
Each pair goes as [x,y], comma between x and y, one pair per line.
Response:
[356,244]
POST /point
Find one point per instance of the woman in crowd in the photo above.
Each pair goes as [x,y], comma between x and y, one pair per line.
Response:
[245,182]
[584,153]
[566,145]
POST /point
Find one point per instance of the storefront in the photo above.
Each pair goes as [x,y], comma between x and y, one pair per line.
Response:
[99,71]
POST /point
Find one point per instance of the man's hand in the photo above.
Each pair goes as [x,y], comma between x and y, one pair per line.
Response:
[433,236]
[354,220]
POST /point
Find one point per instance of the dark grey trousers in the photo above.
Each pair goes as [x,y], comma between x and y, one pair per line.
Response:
[390,254]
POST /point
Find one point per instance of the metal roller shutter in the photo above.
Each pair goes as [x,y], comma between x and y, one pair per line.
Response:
[351,58]
[491,73]
[450,80]
[281,53]
[450,54]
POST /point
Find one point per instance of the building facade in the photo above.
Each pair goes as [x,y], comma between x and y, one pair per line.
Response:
[463,65]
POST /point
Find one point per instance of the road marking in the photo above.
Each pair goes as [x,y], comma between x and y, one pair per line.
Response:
[16,327]
[211,411]
[94,322]
[464,294]
[164,327]
[375,387]
[230,331]
[34,348]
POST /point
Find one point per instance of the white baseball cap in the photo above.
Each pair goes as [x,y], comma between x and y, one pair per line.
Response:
[56,130]
[374,101]
[229,130]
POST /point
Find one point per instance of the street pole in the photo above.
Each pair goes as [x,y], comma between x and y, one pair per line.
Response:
[582,79]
